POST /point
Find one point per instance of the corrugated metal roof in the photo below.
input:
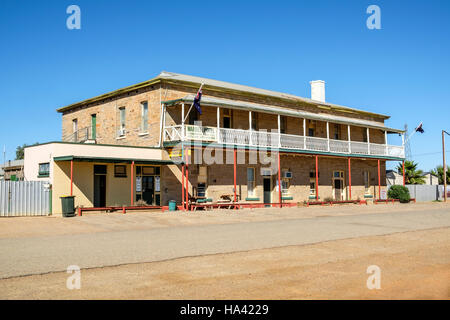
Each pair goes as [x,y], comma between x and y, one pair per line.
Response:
[208,101]
[216,84]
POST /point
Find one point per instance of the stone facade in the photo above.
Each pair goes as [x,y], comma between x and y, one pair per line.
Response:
[220,176]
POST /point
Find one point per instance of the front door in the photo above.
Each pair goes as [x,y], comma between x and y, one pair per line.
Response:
[148,189]
[338,190]
[99,186]
[267,190]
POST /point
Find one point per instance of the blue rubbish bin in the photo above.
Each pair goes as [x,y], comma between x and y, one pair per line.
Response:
[172,205]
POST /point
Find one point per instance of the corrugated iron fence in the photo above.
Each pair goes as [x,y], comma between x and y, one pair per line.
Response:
[24,198]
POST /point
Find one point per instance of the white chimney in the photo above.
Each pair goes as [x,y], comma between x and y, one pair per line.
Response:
[318,90]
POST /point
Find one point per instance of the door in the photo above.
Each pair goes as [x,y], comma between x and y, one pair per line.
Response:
[338,190]
[94,126]
[267,190]
[99,190]
[148,189]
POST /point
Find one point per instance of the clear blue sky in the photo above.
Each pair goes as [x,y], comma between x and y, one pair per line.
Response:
[401,70]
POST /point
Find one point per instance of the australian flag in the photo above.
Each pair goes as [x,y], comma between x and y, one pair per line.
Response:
[197,99]
[420,128]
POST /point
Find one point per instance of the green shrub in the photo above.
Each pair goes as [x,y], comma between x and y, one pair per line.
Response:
[399,192]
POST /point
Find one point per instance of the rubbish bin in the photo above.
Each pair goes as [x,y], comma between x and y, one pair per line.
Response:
[172,205]
[68,206]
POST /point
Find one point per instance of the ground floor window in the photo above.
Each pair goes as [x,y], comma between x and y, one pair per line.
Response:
[120,171]
[367,182]
[312,183]
[44,169]
[250,182]
[285,182]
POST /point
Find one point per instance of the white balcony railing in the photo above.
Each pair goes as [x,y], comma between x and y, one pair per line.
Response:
[275,140]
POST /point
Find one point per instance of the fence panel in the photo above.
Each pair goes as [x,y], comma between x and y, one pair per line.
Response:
[24,198]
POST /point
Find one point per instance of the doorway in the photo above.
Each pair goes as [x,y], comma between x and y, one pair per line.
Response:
[267,190]
[338,185]
[148,186]
[99,186]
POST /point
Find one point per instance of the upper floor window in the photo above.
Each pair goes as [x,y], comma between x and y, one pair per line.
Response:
[336,135]
[311,128]
[283,124]
[193,116]
[74,125]
[144,116]
[364,134]
[254,121]
[122,121]
[227,118]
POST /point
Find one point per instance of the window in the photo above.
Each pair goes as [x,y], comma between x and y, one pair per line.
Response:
[255,121]
[338,174]
[120,171]
[364,133]
[122,122]
[201,190]
[250,182]
[283,124]
[99,169]
[311,128]
[285,182]
[44,170]
[193,116]
[312,183]
[336,132]
[367,182]
[227,118]
[144,116]
[75,130]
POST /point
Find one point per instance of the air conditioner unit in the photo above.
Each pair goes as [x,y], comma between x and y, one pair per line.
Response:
[121,132]
[287,174]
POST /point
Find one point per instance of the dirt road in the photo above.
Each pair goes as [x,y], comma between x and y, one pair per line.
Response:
[414,265]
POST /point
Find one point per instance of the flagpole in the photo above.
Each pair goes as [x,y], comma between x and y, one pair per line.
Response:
[201,86]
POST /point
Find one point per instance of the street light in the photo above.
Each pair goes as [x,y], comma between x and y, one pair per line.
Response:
[445,166]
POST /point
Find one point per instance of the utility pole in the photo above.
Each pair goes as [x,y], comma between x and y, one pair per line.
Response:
[444,165]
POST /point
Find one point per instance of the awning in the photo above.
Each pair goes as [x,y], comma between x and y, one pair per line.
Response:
[112,160]
[241,105]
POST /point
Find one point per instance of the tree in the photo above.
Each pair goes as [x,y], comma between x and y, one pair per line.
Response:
[439,171]
[20,150]
[412,174]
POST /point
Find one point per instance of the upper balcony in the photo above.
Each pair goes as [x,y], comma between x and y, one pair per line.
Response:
[355,137]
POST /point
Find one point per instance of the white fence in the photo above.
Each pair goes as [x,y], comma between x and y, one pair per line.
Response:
[24,198]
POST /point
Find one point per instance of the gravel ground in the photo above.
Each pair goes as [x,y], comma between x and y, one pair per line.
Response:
[108,240]
[414,265]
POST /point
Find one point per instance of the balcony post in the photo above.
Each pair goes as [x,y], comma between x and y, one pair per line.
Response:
[328,136]
[386,143]
[368,140]
[317,178]
[132,183]
[379,180]
[182,122]
[349,139]
[71,177]
[279,130]
[218,125]
[349,179]
[250,127]
[304,133]
[279,181]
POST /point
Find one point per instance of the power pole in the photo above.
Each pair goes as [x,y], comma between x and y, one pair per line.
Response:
[444,165]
